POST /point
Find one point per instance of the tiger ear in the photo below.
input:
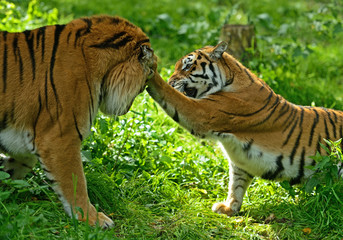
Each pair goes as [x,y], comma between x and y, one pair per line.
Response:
[218,51]
[147,53]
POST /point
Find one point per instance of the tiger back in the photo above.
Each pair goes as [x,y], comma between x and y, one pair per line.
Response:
[260,132]
[53,81]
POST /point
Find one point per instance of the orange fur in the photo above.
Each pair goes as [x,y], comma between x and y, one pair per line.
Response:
[54,80]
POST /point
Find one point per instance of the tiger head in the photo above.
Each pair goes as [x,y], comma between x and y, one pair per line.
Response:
[202,72]
[125,81]
[120,55]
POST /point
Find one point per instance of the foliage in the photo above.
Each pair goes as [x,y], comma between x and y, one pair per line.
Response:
[14,19]
[326,170]
[154,179]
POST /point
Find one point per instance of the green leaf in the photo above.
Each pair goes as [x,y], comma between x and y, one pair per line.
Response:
[311,184]
[4,175]
[20,183]
[5,195]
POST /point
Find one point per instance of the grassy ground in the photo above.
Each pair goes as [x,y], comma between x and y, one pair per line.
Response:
[154,179]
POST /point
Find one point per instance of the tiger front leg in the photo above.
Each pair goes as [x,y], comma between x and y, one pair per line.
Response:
[238,184]
[61,160]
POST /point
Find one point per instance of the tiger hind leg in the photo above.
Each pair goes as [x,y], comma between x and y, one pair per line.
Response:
[238,184]
[18,166]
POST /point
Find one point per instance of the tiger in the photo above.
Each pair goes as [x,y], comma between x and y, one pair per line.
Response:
[54,79]
[214,96]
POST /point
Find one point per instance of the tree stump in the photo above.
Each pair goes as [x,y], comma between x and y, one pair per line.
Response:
[239,38]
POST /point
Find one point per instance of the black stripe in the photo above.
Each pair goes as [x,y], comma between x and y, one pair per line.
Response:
[58,31]
[245,172]
[335,115]
[205,56]
[250,77]
[332,124]
[283,111]
[17,56]
[202,76]
[290,133]
[3,123]
[204,92]
[41,38]
[301,117]
[267,100]
[326,130]
[29,36]
[290,119]
[295,147]
[82,31]
[78,34]
[114,20]
[274,106]
[237,64]
[247,146]
[4,63]
[271,175]
[300,175]
[77,127]
[108,43]
[122,42]
[38,114]
[176,116]
[89,24]
[15,47]
[68,37]
[140,43]
[212,69]
[314,124]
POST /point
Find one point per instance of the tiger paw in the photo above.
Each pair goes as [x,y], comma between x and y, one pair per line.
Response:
[101,219]
[223,208]
[104,221]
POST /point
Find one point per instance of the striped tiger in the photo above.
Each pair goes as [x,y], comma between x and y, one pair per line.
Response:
[53,81]
[260,132]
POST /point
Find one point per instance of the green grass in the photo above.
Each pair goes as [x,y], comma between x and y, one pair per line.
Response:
[154,179]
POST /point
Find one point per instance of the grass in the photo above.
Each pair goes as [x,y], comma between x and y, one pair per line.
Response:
[154,179]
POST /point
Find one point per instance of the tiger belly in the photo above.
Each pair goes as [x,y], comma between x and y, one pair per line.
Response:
[258,161]
[16,142]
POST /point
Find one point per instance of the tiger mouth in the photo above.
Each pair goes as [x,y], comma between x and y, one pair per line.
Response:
[187,91]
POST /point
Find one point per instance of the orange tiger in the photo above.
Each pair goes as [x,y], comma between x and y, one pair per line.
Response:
[261,133]
[53,81]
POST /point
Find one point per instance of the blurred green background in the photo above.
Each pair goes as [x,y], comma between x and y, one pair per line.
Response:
[158,181]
